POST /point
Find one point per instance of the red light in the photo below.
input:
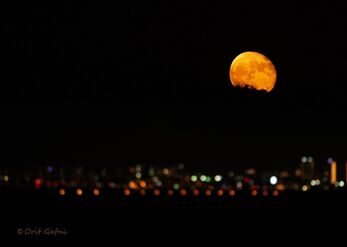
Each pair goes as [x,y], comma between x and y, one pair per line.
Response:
[170,192]
[38,183]
[208,192]
[231,192]
[127,192]
[183,192]
[156,192]
[196,192]
[62,192]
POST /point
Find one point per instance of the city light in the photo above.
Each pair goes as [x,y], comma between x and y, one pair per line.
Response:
[231,192]
[304,188]
[220,192]
[275,193]
[170,192]
[6,178]
[183,192]
[203,178]
[193,178]
[62,192]
[273,180]
[196,192]
[79,192]
[127,192]
[156,192]
[254,193]
[142,184]
[176,186]
[142,192]
[341,183]
[208,192]
[313,183]
[218,178]
[96,192]
[265,193]
[166,171]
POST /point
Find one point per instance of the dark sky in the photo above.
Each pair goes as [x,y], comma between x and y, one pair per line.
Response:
[148,81]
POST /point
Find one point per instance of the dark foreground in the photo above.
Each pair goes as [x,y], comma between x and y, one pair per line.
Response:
[39,215]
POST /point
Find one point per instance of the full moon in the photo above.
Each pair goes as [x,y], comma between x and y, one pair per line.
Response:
[253,70]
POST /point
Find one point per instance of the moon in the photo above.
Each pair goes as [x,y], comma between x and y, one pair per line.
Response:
[253,70]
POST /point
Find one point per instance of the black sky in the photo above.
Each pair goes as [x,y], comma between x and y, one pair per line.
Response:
[147,81]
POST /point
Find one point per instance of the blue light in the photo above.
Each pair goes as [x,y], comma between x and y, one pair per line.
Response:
[50,169]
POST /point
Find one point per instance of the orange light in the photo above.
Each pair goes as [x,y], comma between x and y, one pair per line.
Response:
[333,173]
[142,184]
[156,192]
[170,192]
[79,192]
[62,192]
[127,192]
[254,193]
[275,193]
[220,192]
[265,193]
[142,192]
[196,192]
[208,192]
[132,185]
[96,192]
[231,192]
[183,192]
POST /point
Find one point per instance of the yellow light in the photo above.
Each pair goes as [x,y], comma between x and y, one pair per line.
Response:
[333,172]
[62,192]
[304,188]
[254,193]
[79,192]
[6,178]
[231,192]
[96,192]
[166,171]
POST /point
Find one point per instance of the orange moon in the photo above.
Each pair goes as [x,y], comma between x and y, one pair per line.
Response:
[253,70]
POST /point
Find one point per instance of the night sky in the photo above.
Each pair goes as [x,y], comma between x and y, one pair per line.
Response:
[148,82]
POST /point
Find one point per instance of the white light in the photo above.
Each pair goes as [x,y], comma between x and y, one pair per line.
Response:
[313,182]
[317,182]
[304,159]
[310,159]
[194,178]
[341,183]
[203,178]
[304,188]
[218,178]
[138,175]
[239,185]
[273,180]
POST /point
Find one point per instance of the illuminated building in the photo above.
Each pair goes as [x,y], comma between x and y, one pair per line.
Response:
[307,169]
[333,173]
